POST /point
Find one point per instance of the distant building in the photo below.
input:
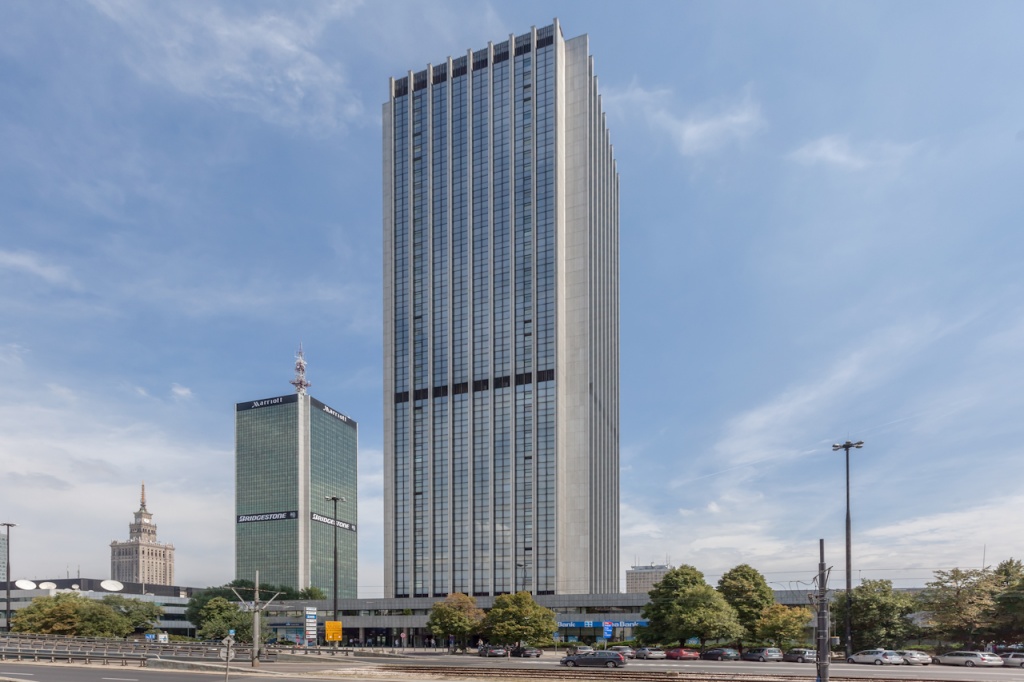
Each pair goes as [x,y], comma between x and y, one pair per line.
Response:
[501,325]
[142,559]
[292,452]
[642,578]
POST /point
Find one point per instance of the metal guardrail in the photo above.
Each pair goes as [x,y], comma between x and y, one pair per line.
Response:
[44,648]
[71,657]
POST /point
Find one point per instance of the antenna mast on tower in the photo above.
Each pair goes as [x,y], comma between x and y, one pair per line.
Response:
[299,382]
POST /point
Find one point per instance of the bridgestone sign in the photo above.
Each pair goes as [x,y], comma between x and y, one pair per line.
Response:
[269,516]
[330,522]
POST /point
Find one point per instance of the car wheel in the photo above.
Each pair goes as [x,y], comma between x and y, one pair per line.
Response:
[969,664]
[800,660]
[611,664]
[850,660]
[761,659]
[878,661]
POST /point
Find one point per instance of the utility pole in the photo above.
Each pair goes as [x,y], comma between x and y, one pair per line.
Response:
[849,566]
[823,643]
[257,637]
[334,586]
[7,609]
[257,608]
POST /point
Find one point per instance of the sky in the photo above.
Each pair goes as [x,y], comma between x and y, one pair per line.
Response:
[820,236]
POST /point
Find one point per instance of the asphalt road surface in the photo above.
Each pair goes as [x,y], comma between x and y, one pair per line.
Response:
[287,671]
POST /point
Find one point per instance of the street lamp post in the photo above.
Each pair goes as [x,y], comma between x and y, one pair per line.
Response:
[849,570]
[334,587]
[7,604]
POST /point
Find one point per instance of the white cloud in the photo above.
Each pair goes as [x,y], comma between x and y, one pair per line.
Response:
[181,392]
[264,64]
[32,264]
[836,150]
[697,133]
[12,354]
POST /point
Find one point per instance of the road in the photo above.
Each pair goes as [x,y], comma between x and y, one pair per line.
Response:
[287,671]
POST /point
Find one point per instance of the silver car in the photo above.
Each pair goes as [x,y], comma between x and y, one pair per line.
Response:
[876,656]
[911,657]
[969,658]
[649,653]
[1014,660]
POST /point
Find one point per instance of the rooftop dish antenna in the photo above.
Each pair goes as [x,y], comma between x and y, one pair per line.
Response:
[24,584]
[111,586]
[47,586]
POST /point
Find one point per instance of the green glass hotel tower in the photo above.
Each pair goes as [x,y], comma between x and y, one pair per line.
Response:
[501,348]
[292,452]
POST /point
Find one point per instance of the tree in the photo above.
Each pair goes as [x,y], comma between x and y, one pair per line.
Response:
[1008,614]
[97,619]
[194,610]
[246,589]
[517,618]
[142,615]
[1008,607]
[70,614]
[748,592]
[880,616]
[220,616]
[960,604]
[704,614]
[662,611]
[457,615]
[310,593]
[782,625]
[1007,574]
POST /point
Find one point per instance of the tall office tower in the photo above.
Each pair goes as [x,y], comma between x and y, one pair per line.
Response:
[142,559]
[501,371]
[293,452]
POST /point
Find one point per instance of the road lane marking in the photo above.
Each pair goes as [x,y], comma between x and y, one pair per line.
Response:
[121,679]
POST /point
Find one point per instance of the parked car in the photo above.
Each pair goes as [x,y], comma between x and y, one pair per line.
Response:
[491,651]
[876,656]
[1013,659]
[800,655]
[526,652]
[969,658]
[721,654]
[762,654]
[911,657]
[626,651]
[682,654]
[605,659]
[581,649]
[649,652]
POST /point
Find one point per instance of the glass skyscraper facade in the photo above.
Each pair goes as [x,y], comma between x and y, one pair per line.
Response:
[292,452]
[501,325]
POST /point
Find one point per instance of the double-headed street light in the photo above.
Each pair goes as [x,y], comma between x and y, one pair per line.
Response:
[849,571]
[335,499]
[7,578]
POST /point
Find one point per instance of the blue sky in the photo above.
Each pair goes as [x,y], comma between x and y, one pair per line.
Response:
[821,215]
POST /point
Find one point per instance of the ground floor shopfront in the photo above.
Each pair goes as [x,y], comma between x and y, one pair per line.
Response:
[398,623]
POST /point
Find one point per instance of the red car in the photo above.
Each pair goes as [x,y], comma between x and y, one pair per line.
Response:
[681,654]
